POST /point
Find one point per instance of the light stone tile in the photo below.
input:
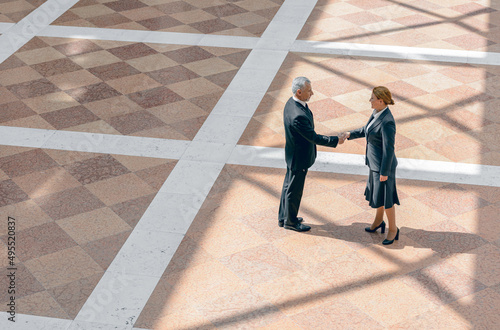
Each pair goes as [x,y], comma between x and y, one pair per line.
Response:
[237,103]
[118,299]
[192,177]
[150,250]
[171,213]
[222,129]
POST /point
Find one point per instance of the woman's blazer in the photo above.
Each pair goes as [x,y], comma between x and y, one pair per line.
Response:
[380,139]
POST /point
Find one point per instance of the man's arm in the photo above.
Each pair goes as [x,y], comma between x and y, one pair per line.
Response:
[304,128]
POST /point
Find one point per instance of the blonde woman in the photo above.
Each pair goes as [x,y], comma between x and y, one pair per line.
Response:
[380,134]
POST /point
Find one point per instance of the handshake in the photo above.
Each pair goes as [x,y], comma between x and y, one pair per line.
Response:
[344,136]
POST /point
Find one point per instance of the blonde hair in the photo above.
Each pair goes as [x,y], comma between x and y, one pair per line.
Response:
[384,94]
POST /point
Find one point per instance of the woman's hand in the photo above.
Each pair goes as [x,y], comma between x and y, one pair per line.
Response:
[383,178]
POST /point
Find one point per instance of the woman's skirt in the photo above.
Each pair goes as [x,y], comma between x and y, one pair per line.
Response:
[381,193]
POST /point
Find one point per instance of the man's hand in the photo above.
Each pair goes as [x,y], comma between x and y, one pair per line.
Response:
[383,178]
[344,136]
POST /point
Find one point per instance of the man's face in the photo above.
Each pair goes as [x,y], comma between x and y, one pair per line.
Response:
[305,93]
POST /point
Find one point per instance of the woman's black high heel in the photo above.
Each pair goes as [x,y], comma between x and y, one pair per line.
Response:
[387,242]
[382,225]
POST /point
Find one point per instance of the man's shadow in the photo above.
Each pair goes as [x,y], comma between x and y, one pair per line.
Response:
[443,243]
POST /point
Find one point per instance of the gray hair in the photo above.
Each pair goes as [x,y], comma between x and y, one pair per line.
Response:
[298,83]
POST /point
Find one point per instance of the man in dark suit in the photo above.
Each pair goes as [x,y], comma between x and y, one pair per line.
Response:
[300,152]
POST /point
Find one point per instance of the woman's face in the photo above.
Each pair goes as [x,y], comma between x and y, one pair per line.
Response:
[377,104]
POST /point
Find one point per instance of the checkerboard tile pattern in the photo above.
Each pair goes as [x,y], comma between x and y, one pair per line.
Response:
[438,105]
[73,213]
[228,17]
[111,87]
[462,25]
[336,273]
[12,11]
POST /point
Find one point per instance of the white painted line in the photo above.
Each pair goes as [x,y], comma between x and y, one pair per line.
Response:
[5,26]
[171,38]
[92,142]
[414,169]
[396,52]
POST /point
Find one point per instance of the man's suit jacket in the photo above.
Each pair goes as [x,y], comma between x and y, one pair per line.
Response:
[301,139]
[380,140]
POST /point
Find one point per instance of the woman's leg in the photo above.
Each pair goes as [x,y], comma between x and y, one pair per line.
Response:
[379,217]
[391,217]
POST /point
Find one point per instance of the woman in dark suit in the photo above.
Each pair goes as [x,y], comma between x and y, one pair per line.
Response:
[380,134]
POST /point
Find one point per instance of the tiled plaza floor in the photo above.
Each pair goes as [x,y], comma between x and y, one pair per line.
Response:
[98,198]
[138,89]
[438,105]
[449,24]
[241,18]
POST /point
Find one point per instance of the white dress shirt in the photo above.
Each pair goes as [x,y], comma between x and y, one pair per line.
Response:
[375,117]
[301,102]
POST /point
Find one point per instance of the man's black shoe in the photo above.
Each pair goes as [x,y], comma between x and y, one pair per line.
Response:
[281,223]
[297,227]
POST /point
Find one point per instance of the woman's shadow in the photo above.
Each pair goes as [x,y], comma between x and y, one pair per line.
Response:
[443,243]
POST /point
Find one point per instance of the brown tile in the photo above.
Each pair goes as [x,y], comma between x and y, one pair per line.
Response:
[236,59]
[33,88]
[41,240]
[113,71]
[94,225]
[30,213]
[46,182]
[26,162]
[175,7]
[63,267]
[189,128]
[132,51]
[72,296]
[96,169]
[19,75]
[172,75]
[120,189]
[11,63]
[123,5]
[112,107]
[69,117]
[69,202]
[56,67]
[79,47]
[132,210]
[7,96]
[155,97]
[222,79]
[160,23]
[14,110]
[104,250]
[93,93]
[225,10]
[132,84]
[156,176]
[211,26]
[108,20]
[189,54]
[135,122]
[40,303]
[25,287]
